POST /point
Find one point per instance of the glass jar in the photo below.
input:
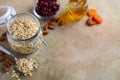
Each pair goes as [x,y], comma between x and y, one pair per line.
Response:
[46,9]
[27,45]
[75,10]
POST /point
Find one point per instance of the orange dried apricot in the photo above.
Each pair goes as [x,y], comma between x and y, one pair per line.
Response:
[90,21]
[91,12]
[98,18]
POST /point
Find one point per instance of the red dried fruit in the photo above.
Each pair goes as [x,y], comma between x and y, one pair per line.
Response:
[47,8]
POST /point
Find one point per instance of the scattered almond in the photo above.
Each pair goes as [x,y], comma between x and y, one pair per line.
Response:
[51,27]
[2,58]
[1,53]
[53,19]
[45,32]
[51,23]
[61,23]
[4,34]
[10,62]
[5,69]
[7,65]
[2,38]
[57,19]
[45,28]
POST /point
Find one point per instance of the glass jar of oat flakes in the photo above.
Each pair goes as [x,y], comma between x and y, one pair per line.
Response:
[24,34]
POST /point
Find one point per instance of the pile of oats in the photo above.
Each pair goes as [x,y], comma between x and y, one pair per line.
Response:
[23,28]
[24,66]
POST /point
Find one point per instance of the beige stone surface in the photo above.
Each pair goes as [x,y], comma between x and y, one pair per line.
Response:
[76,51]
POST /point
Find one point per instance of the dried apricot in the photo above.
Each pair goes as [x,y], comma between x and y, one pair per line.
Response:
[90,21]
[98,18]
[91,12]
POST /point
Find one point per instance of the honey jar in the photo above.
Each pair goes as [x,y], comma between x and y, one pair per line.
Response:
[75,10]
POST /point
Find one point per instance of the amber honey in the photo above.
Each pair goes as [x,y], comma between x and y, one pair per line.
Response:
[74,11]
[73,0]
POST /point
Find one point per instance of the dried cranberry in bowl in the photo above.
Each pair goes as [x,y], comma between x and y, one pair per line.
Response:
[46,8]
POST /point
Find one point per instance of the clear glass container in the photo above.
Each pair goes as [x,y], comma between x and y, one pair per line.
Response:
[35,5]
[75,11]
[26,46]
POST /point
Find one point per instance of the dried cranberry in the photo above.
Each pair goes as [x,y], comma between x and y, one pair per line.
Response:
[47,8]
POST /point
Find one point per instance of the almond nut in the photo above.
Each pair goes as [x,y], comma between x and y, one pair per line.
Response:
[1,53]
[2,38]
[61,23]
[7,65]
[57,19]
[10,62]
[51,27]
[53,19]
[5,69]
[45,32]
[45,28]
[2,58]
[51,23]
[4,34]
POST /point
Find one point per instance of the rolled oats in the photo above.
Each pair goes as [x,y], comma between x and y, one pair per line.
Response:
[24,28]
[26,66]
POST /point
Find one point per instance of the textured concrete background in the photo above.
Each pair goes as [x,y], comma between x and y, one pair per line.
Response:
[76,51]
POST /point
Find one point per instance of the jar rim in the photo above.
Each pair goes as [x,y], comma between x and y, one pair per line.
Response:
[20,15]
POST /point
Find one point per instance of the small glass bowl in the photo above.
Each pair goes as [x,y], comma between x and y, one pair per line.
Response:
[42,17]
